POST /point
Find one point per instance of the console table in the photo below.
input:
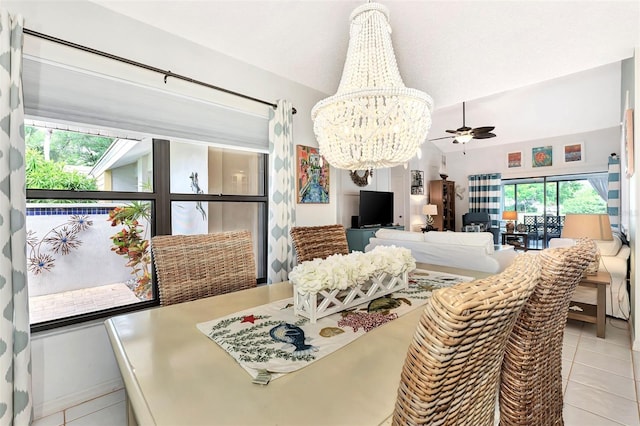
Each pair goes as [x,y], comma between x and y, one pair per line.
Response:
[594,314]
[358,238]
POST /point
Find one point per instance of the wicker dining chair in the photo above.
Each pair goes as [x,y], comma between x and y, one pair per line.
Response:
[531,385]
[450,375]
[190,267]
[319,242]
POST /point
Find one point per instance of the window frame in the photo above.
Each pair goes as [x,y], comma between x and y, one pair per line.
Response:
[160,223]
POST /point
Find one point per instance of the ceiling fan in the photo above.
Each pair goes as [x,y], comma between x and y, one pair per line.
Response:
[464,134]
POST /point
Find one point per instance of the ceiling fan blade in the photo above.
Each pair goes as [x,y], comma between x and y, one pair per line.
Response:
[446,137]
[451,131]
[485,129]
[455,141]
[484,136]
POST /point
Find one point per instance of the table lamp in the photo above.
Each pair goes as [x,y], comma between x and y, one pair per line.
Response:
[593,226]
[430,210]
[510,216]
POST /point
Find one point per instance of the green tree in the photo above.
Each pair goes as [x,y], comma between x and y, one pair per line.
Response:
[73,148]
[43,174]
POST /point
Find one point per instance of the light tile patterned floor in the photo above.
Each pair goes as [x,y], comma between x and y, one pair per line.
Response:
[62,305]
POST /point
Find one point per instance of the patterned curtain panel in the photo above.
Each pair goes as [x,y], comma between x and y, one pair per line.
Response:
[613,194]
[484,195]
[282,188]
[15,349]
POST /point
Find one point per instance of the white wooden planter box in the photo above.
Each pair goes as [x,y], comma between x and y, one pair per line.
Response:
[327,302]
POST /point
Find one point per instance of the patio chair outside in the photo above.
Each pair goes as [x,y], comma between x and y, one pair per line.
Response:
[190,267]
[531,384]
[319,242]
[450,375]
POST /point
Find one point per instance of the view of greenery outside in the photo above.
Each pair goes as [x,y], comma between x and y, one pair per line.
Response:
[50,152]
[575,196]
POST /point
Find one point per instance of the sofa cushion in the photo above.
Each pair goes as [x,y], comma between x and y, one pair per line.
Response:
[481,239]
[395,234]
[609,248]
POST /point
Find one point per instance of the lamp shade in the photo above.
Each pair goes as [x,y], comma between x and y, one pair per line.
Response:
[509,215]
[594,226]
[430,209]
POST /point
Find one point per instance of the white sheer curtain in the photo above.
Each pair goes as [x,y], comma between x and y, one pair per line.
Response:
[282,188]
[15,347]
[601,186]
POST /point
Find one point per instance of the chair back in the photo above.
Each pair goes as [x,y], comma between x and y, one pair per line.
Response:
[319,242]
[531,384]
[190,267]
[450,375]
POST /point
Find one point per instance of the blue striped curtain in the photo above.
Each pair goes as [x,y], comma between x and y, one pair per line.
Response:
[613,191]
[484,195]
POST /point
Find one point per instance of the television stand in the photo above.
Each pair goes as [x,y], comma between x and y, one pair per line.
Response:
[358,238]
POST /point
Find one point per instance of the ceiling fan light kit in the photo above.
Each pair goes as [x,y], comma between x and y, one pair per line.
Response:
[465,134]
[373,120]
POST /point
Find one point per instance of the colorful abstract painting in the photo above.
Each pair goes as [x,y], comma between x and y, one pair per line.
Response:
[312,176]
[574,153]
[514,159]
[542,156]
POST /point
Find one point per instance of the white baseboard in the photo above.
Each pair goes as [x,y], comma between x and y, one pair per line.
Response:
[67,401]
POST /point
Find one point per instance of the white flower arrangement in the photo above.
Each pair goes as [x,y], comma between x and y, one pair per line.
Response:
[343,271]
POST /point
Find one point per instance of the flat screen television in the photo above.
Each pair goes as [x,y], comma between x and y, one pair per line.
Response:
[376,208]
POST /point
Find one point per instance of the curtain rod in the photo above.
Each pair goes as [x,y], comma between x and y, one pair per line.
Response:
[166,73]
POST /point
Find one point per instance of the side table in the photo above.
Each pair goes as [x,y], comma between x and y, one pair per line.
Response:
[594,314]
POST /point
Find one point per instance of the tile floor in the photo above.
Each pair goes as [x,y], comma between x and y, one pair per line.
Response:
[601,381]
[68,303]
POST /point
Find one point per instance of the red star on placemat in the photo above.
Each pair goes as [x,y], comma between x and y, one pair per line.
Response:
[248,318]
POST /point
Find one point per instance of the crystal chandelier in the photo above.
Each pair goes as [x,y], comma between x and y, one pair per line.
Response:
[373,120]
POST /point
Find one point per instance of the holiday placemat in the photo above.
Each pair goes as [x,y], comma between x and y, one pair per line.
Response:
[273,340]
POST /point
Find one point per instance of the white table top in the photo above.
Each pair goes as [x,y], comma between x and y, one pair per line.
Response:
[175,375]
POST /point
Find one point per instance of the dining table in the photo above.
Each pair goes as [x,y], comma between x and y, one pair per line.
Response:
[175,375]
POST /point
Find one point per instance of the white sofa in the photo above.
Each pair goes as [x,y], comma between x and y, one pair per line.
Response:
[467,250]
[613,259]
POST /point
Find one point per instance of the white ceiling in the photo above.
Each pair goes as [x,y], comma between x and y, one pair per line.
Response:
[454,50]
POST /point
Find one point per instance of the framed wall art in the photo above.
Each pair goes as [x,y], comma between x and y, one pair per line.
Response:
[417,182]
[514,159]
[312,176]
[573,153]
[542,156]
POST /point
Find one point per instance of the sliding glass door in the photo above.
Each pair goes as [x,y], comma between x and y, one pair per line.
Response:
[542,203]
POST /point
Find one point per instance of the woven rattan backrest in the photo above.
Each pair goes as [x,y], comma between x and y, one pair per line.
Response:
[319,242]
[450,375]
[531,385]
[190,267]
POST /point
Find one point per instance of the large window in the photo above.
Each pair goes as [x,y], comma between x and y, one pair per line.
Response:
[94,201]
[542,203]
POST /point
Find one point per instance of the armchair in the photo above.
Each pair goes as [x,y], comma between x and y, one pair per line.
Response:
[484,220]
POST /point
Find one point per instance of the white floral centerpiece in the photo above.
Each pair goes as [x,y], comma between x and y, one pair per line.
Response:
[325,286]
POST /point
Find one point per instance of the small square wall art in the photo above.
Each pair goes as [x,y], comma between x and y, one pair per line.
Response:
[542,156]
[574,153]
[514,159]
[312,176]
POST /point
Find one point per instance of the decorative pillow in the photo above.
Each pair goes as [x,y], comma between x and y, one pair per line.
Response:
[395,234]
[609,248]
[483,226]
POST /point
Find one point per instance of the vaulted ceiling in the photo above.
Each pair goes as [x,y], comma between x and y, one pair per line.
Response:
[454,50]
